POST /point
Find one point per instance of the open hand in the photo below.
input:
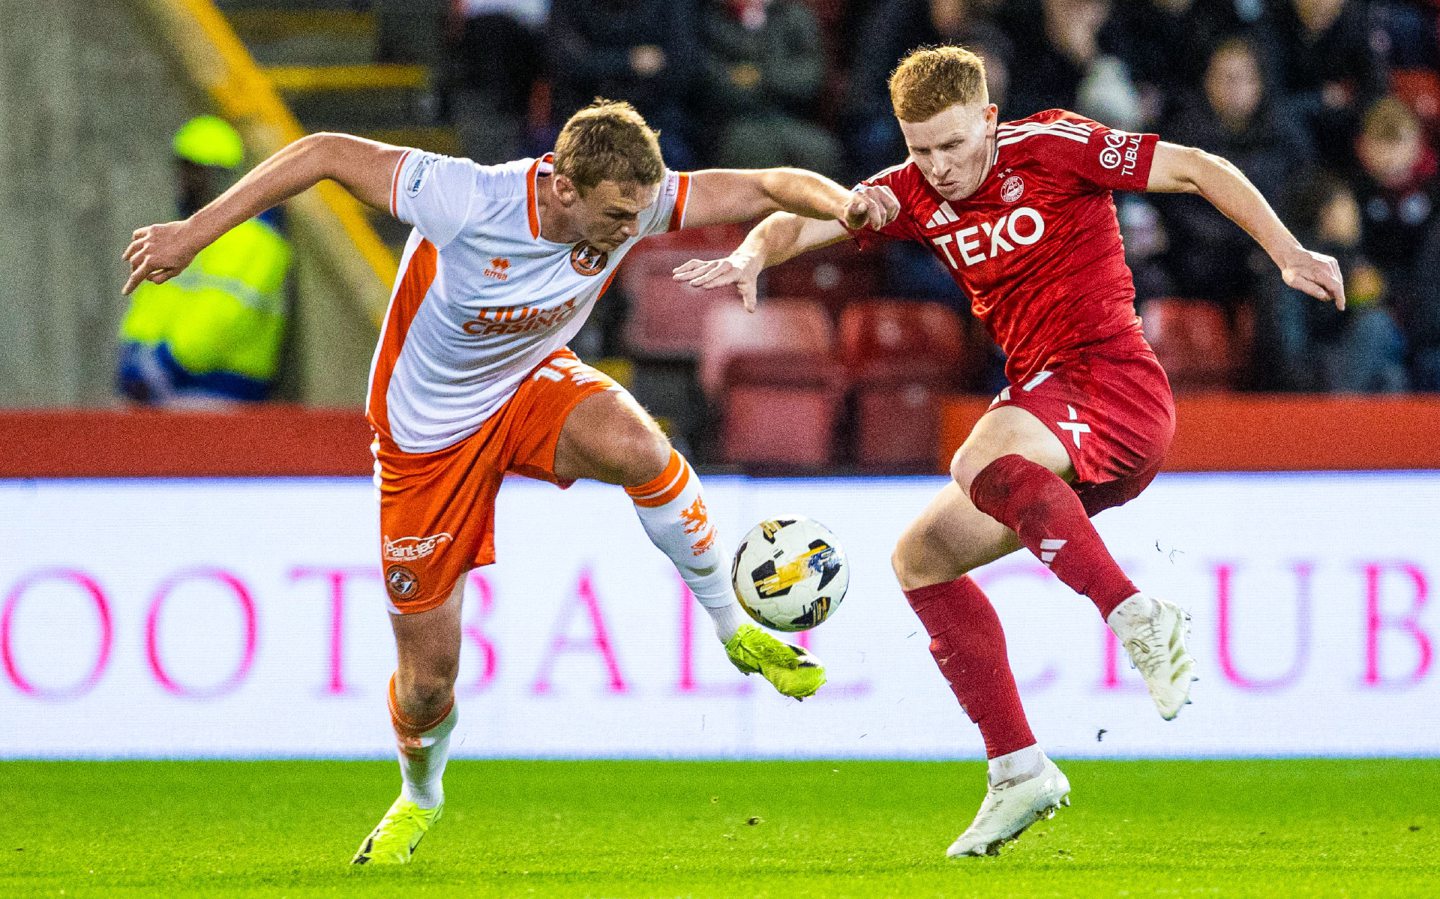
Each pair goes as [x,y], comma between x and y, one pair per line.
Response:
[1315,274]
[707,274]
[158,253]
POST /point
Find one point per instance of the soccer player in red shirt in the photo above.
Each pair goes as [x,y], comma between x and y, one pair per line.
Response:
[1021,215]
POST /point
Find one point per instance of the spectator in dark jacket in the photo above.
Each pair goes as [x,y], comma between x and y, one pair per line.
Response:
[763,70]
[1232,116]
[643,51]
[893,29]
[1398,192]
[1326,67]
[1305,345]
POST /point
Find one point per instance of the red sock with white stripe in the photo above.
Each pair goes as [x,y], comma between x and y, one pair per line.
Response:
[672,511]
[1050,519]
[969,646]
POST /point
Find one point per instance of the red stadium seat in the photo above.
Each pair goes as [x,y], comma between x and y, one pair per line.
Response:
[1192,340]
[900,342]
[780,427]
[1420,90]
[664,312]
[776,380]
[834,275]
[901,355]
[786,341]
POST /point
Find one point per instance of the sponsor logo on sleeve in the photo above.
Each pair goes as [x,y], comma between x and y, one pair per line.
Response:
[419,174]
[1121,151]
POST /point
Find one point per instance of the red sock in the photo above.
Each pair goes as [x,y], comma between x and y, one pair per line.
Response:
[969,646]
[1040,507]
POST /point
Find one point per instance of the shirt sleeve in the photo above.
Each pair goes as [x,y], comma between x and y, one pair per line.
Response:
[1109,159]
[668,211]
[434,194]
[902,227]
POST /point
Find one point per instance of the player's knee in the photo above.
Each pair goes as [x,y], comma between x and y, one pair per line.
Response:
[920,559]
[966,465]
[638,453]
[428,686]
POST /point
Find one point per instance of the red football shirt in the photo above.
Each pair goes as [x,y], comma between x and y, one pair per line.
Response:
[1037,247]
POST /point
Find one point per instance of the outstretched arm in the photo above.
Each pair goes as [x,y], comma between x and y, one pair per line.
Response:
[780,237]
[1178,169]
[363,167]
[722,196]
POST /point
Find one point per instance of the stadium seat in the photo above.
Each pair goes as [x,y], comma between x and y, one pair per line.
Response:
[664,312]
[784,341]
[1420,90]
[901,356]
[780,427]
[775,379]
[835,276]
[1192,340]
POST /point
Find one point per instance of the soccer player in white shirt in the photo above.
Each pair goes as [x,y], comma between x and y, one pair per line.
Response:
[472,378]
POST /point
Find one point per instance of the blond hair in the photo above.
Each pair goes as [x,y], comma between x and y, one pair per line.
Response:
[608,141]
[932,79]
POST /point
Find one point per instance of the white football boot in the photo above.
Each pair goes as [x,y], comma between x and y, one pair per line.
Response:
[1009,808]
[1153,632]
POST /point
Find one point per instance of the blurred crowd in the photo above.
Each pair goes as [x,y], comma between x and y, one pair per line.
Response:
[1329,106]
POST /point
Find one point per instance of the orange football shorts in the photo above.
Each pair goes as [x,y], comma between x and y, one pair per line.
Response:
[437,510]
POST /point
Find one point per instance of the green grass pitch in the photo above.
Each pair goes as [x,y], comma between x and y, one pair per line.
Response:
[735,829]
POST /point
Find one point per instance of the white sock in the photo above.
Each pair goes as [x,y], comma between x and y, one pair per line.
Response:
[1017,766]
[422,756]
[672,511]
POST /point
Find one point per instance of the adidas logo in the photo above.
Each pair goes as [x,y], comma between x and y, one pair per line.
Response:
[943,216]
[1048,550]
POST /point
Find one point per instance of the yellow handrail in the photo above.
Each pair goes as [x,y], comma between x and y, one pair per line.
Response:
[210,51]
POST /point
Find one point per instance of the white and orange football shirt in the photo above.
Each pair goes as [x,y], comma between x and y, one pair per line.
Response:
[481,298]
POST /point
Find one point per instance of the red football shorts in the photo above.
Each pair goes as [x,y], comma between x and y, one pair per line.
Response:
[437,510]
[1111,406]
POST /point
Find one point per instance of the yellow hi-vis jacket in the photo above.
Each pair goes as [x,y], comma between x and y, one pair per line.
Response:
[225,312]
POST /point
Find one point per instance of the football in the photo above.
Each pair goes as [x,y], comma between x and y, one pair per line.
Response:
[790,573]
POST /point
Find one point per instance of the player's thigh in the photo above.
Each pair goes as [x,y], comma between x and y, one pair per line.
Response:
[1005,431]
[610,437]
[949,539]
[427,646]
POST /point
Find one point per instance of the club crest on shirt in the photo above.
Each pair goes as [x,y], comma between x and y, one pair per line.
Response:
[587,260]
[1013,189]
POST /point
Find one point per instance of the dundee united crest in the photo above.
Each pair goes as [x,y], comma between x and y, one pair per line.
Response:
[587,260]
[400,581]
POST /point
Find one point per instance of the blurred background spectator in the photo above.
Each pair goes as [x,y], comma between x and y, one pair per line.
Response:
[498,53]
[763,69]
[212,334]
[1330,107]
[1232,114]
[1313,346]
[1397,188]
[643,51]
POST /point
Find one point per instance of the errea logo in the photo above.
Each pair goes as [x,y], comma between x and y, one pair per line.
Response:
[977,243]
[499,266]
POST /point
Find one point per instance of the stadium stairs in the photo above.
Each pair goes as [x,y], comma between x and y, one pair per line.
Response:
[323,58]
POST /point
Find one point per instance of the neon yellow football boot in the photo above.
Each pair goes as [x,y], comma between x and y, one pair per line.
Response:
[792,670]
[394,839]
